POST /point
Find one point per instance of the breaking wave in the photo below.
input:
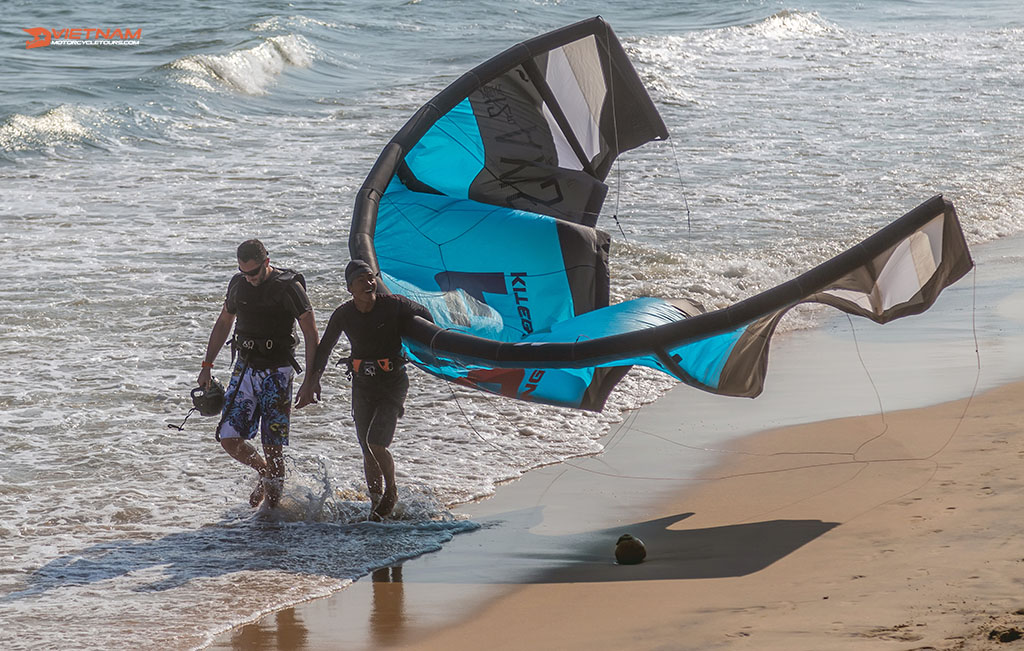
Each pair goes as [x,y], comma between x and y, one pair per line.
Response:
[251,71]
[63,125]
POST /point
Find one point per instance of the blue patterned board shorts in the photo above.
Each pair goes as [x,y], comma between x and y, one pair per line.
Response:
[263,404]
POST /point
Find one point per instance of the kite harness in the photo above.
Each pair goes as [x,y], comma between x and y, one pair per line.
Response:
[370,367]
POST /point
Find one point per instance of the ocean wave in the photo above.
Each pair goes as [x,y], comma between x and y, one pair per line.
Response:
[251,71]
[64,125]
[281,23]
[672,66]
[791,24]
[67,127]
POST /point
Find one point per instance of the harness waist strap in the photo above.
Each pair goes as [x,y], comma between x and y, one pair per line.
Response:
[267,347]
[371,366]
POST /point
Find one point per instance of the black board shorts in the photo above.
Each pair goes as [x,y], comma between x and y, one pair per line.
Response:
[377,404]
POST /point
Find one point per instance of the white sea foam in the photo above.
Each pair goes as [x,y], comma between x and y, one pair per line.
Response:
[791,24]
[65,124]
[251,71]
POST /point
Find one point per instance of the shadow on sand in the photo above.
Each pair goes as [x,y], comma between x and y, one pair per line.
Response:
[716,552]
[505,550]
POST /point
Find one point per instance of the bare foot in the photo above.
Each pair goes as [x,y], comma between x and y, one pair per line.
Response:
[386,505]
[268,490]
[256,496]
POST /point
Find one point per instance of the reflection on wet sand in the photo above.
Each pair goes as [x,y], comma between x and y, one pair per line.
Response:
[387,618]
[283,630]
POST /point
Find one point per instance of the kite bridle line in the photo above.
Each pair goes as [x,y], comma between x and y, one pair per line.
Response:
[682,186]
[970,397]
[612,436]
[615,133]
[458,404]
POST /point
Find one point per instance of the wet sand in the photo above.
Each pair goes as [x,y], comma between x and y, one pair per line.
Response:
[831,512]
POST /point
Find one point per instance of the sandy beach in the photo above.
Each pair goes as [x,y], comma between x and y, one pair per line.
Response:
[830,513]
[897,535]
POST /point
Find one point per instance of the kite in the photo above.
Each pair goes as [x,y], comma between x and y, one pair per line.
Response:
[484,208]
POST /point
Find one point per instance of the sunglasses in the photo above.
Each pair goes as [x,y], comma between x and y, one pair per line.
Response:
[255,271]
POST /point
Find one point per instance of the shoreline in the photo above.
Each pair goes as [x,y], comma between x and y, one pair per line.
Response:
[547,538]
[910,545]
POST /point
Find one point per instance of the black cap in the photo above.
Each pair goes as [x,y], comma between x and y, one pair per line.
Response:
[355,269]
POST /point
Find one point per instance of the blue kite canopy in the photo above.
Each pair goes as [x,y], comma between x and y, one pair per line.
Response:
[483,208]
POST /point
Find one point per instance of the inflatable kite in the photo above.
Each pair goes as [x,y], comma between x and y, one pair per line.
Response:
[484,207]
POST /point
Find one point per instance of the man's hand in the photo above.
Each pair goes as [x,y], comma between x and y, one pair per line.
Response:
[309,393]
[204,377]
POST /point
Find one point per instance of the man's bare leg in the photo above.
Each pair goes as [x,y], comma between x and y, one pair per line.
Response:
[374,481]
[273,477]
[240,450]
[380,469]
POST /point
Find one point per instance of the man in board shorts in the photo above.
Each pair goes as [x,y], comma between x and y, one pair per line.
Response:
[373,324]
[267,302]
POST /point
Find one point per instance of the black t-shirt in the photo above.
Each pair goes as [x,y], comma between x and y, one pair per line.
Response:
[268,311]
[377,334]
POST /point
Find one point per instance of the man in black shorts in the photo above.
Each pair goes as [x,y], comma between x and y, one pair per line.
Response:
[267,302]
[373,324]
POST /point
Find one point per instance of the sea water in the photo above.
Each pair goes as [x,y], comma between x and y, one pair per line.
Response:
[129,173]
